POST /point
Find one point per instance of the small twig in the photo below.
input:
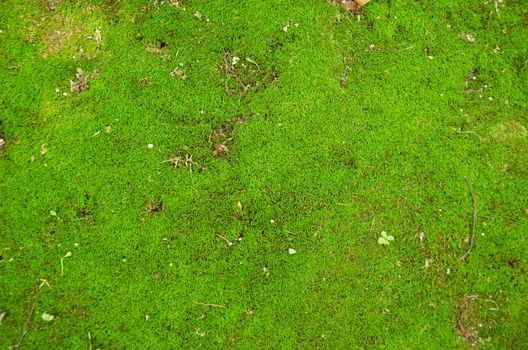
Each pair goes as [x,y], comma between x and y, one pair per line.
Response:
[89,341]
[28,320]
[473,227]
[225,239]
[230,69]
[210,305]
[469,132]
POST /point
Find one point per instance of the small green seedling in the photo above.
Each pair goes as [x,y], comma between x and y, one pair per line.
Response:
[385,239]
[68,254]
[251,61]
[54,213]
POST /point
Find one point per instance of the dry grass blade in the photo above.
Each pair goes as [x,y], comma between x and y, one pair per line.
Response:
[473,227]
[210,305]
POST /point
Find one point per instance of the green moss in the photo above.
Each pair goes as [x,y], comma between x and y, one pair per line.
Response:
[351,126]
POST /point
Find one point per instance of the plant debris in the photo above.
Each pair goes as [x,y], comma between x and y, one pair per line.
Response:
[178,72]
[219,149]
[154,207]
[51,5]
[355,5]
[469,38]
[245,74]
[152,48]
[468,320]
[81,84]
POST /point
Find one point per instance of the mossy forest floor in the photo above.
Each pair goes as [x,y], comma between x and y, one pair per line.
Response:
[217,174]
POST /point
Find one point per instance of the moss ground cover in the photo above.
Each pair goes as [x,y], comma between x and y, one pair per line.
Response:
[221,173]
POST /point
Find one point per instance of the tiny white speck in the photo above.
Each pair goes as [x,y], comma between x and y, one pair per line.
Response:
[170,264]
[64,94]
[76,244]
[11,260]
[57,90]
[482,234]
[265,269]
[430,57]
[124,260]
[272,221]
[490,98]
[150,146]
[292,251]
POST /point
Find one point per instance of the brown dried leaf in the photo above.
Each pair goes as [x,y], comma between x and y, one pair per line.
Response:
[362,3]
[219,149]
[352,6]
[356,5]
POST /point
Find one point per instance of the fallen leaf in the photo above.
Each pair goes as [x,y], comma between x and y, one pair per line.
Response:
[239,205]
[352,6]
[362,3]
[219,149]
[356,5]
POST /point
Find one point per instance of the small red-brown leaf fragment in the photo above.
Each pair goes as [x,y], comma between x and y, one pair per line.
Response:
[352,6]
[219,149]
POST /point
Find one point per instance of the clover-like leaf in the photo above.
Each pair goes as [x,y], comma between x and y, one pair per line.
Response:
[47,317]
[383,241]
[385,238]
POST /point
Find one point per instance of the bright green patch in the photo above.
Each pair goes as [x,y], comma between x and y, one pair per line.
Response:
[207,174]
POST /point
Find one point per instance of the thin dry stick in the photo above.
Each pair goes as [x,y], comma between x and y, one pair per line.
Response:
[470,132]
[231,70]
[210,305]
[28,321]
[473,227]
[90,341]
